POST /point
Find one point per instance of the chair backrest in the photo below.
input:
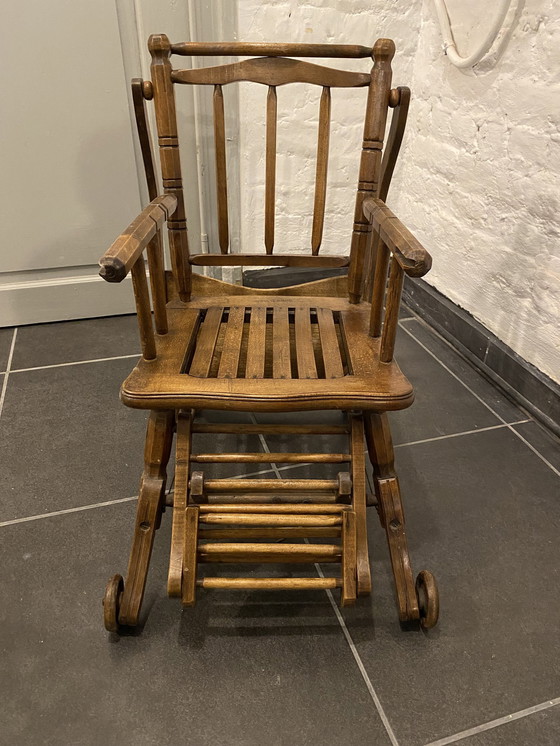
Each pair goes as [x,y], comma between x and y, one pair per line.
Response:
[271,65]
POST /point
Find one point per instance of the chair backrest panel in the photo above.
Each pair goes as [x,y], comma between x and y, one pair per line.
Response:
[273,70]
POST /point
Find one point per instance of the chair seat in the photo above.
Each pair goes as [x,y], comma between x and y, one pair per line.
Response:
[262,353]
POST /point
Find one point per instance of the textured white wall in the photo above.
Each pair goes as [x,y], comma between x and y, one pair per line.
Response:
[478,180]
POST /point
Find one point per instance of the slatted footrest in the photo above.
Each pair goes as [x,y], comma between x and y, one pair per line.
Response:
[238,528]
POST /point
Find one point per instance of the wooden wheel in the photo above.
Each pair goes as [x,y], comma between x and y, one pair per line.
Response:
[428,599]
[111,603]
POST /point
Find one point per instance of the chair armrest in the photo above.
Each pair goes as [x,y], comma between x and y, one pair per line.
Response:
[122,254]
[409,253]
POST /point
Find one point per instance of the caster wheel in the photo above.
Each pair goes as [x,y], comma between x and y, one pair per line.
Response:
[111,603]
[428,599]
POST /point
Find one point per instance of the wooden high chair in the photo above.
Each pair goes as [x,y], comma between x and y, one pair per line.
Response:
[320,345]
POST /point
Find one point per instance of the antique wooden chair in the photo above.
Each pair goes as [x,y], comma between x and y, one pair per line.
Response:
[317,345]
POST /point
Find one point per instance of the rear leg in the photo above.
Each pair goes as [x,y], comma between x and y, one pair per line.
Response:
[122,605]
[415,601]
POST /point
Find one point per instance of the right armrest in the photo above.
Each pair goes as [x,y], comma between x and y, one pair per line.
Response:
[122,254]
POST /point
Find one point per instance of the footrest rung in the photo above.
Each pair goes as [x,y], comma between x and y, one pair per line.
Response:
[270,584]
[280,532]
[299,508]
[257,552]
[270,519]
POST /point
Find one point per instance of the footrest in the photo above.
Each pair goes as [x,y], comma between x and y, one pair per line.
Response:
[244,525]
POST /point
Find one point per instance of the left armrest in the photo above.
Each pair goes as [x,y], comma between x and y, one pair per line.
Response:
[122,254]
[409,253]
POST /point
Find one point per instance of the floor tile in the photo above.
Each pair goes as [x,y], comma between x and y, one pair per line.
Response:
[66,440]
[405,312]
[237,670]
[540,729]
[442,405]
[488,392]
[69,341]
[544,441]
[6,336]
[483,514]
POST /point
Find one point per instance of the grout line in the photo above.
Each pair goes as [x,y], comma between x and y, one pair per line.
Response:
[75,362]
[7,371]
[67,510]
[495,723]
[481,400]
[458,435]
[371,689]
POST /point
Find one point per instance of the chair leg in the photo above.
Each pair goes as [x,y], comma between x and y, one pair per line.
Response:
[122,605]
[182,465]
[415,601]
[357,445]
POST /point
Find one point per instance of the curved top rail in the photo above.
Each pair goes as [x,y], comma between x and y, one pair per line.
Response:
[272,72]
[240,48]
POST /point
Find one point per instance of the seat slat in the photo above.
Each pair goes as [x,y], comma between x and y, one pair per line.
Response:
[206,343]
[268,260]
[256,344]
[329,344]
[321,171]
[231,350]
[272,71]
[281,362]
[270,188]
[221,169]
[304,344]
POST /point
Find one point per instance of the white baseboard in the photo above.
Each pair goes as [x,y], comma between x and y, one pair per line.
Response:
[34,301]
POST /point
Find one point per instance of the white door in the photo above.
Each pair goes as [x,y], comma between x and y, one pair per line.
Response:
[71,176]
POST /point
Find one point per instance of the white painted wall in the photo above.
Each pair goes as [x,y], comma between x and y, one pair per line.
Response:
[478,180]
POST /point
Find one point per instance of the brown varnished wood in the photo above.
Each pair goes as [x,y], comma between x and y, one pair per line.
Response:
[363,572]
[262,552]
[336,287]
[190,548]
[272,72]
[268,260]
[349,548]
[159,436]
[270,168]
[279,532]
[247,49]
[380,446]
[226,347]
[306,366]
[329,342]
[229,362]
[281,365]
[393,301]
[166,120]
[266,458]
[119,258]
[271,584]
[321,170]
[137,87]
[390,155]
[143,311]
[182,465]
[408,251]
[370,162]
[394,141]
[310,508]
[370,383]
[202,360]
[256,344]
[221,168]
[264,429]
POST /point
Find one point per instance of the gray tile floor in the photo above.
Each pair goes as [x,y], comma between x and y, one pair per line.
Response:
[481,483]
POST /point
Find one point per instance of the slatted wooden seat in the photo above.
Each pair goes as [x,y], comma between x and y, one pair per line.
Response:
[291,355]
[326,344]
